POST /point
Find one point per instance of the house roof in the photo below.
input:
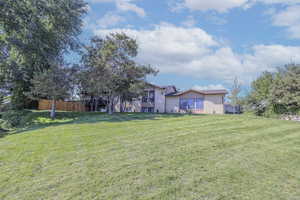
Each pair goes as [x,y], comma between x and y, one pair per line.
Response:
[162,87]
[155,86]
[204,92]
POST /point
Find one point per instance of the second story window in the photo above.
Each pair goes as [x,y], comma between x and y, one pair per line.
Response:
[149,96]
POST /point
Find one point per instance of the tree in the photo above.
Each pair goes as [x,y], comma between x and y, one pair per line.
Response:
[234,94]
[54,84]
[259,97]
[135,91]
[285,92]
[90,86]
[111,69]
[277,92]
[34,35]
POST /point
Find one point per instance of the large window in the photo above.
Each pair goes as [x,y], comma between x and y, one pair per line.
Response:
[149,96]
[191,104]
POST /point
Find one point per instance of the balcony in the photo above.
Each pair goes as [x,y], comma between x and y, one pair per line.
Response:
[147,102]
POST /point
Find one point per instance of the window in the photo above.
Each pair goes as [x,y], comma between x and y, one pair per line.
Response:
[199,104]
[191,104]
[149,96]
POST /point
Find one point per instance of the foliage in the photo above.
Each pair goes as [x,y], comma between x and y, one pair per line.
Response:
[13,118]
[133,91]
[277,92]
[34,35]
[259,97]
[54,84]
[110,69]
[285,93]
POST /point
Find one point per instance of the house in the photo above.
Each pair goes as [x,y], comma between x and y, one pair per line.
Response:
[194,101]
[157,99]
[167,99]
[153,100]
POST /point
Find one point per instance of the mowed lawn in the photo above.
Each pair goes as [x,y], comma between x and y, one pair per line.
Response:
[144,156]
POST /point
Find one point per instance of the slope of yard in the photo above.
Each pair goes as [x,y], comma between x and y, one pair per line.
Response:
[139,156]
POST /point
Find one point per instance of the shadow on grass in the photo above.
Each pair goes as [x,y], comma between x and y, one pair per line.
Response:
[4,132]
[41,119]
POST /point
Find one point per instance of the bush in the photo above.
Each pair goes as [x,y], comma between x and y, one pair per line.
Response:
[13,118]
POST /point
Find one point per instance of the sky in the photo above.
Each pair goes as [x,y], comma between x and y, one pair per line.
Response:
[203,44]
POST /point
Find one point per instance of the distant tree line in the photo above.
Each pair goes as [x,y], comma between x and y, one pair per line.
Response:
[35,36]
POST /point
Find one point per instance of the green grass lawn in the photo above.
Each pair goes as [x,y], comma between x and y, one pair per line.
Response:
[140,156]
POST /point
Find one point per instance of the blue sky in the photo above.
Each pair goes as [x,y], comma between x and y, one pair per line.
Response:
[203,44]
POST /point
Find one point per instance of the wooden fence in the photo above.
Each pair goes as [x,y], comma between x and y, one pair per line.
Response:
[73,106]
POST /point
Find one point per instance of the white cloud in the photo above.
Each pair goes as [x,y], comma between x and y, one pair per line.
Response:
[289,18]
[272,56]
[124,5]
[195,53]
[286,2]
[110,20]
[225,5]
[220,6]
[209,87]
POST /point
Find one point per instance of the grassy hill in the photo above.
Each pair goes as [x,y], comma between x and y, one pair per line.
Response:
[141,156]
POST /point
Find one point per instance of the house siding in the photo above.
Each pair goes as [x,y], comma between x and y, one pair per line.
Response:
[160,99]
[213,104]
[191,95]
[172,104]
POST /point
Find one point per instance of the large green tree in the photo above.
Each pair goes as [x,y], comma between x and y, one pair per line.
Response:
[285,92]
[259,97]
[35,35]
[277,92]
[111,68]
[54,84]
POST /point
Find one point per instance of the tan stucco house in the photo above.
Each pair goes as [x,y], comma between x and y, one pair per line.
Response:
[167,99]
[198,102]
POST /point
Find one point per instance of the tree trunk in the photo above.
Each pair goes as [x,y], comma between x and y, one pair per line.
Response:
[53,109]
[90,106]
[121,105]
[110,106]
[95,105]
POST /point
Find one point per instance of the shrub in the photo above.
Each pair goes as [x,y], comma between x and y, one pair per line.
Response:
[14,118]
